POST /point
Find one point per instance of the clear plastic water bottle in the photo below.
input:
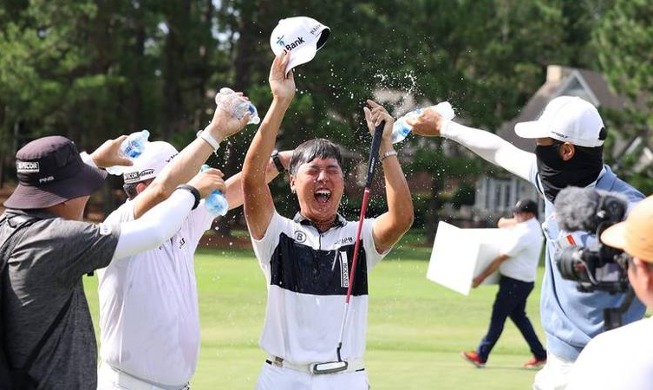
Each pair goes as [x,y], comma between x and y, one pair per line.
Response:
[131,147]
[231,102]
[215,202]
[401,128]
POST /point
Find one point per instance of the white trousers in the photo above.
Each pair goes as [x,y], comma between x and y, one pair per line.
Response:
[273,377]
[554,375]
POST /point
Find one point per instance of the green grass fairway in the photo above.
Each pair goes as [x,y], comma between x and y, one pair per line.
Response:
[417,328]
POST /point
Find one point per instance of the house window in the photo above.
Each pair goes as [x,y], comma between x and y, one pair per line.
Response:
[502,196]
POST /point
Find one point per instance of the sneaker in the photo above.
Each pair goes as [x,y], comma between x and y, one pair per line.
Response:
[535,363]
[472,357]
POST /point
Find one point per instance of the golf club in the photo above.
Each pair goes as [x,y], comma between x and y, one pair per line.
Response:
[330,367]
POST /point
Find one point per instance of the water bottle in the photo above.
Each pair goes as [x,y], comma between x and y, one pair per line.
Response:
[131,147]
[215,202]
[401,128]
[231,102]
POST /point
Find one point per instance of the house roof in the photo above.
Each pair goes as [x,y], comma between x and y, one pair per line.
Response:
[587,84]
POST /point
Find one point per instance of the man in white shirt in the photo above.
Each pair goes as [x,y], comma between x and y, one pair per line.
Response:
[149,320]
[621,358]
[307,260]
[517,265]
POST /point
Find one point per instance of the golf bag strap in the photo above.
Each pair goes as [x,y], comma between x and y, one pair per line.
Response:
[7,247]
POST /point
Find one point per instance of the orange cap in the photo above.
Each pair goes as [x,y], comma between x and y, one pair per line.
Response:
[635,234]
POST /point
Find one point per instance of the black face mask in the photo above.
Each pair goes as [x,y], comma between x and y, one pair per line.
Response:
[556,174]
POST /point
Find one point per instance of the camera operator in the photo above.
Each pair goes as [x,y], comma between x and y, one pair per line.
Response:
[569,137]
[622,358]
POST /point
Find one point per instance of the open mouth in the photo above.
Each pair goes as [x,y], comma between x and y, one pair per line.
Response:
[322,196]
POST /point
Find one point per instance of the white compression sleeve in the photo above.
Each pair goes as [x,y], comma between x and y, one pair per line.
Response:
[155,226]
[86,158]
[491,147]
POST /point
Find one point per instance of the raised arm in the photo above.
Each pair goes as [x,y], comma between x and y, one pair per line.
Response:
[390,226]
[259,206]
[165,219]
[188,162]
[235,183]
[489,146]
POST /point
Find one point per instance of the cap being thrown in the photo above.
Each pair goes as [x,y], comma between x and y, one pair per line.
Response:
[300,36]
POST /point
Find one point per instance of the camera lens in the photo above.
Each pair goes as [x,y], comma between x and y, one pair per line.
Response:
[571,264]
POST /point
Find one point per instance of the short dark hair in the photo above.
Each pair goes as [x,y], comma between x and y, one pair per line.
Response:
[311,149]
[130,188]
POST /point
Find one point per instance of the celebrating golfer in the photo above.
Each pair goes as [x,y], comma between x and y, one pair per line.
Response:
[306,259]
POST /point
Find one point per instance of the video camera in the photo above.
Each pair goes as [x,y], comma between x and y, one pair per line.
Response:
[596,266]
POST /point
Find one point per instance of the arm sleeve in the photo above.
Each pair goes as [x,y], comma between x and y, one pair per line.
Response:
[155,226]
[492,148]
[86,158]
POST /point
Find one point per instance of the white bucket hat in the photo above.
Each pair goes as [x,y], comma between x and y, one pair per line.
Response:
[301,36]
[567,119]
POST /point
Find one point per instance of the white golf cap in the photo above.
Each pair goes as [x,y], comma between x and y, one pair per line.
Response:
[567,119]
[301,36]
[149,164]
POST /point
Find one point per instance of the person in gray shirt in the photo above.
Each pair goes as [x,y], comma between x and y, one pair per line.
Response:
[47,333]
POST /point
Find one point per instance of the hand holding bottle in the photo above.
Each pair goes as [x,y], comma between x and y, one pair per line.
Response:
[131,147]
[236,105]
[420,119]
[207,181]
[109,154]
[215,201]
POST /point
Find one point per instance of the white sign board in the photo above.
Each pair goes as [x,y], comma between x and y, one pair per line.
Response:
[460,254]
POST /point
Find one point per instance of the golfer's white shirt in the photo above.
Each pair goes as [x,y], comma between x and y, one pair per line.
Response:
[524,245]
[149,319]
[617,359]
[307,280]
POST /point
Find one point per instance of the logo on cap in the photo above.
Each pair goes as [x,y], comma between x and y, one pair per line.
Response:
[296,43]
[131,176]
[146,172]
[27,166]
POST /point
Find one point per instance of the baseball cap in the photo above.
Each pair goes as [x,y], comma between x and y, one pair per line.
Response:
[526,206]
[635,234]
[50,171]
[301,36]
[567,119]
[149,164]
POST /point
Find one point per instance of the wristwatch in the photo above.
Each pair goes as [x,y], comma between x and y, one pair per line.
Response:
[277,161]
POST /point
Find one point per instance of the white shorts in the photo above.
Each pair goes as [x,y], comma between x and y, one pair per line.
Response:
[273,377]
